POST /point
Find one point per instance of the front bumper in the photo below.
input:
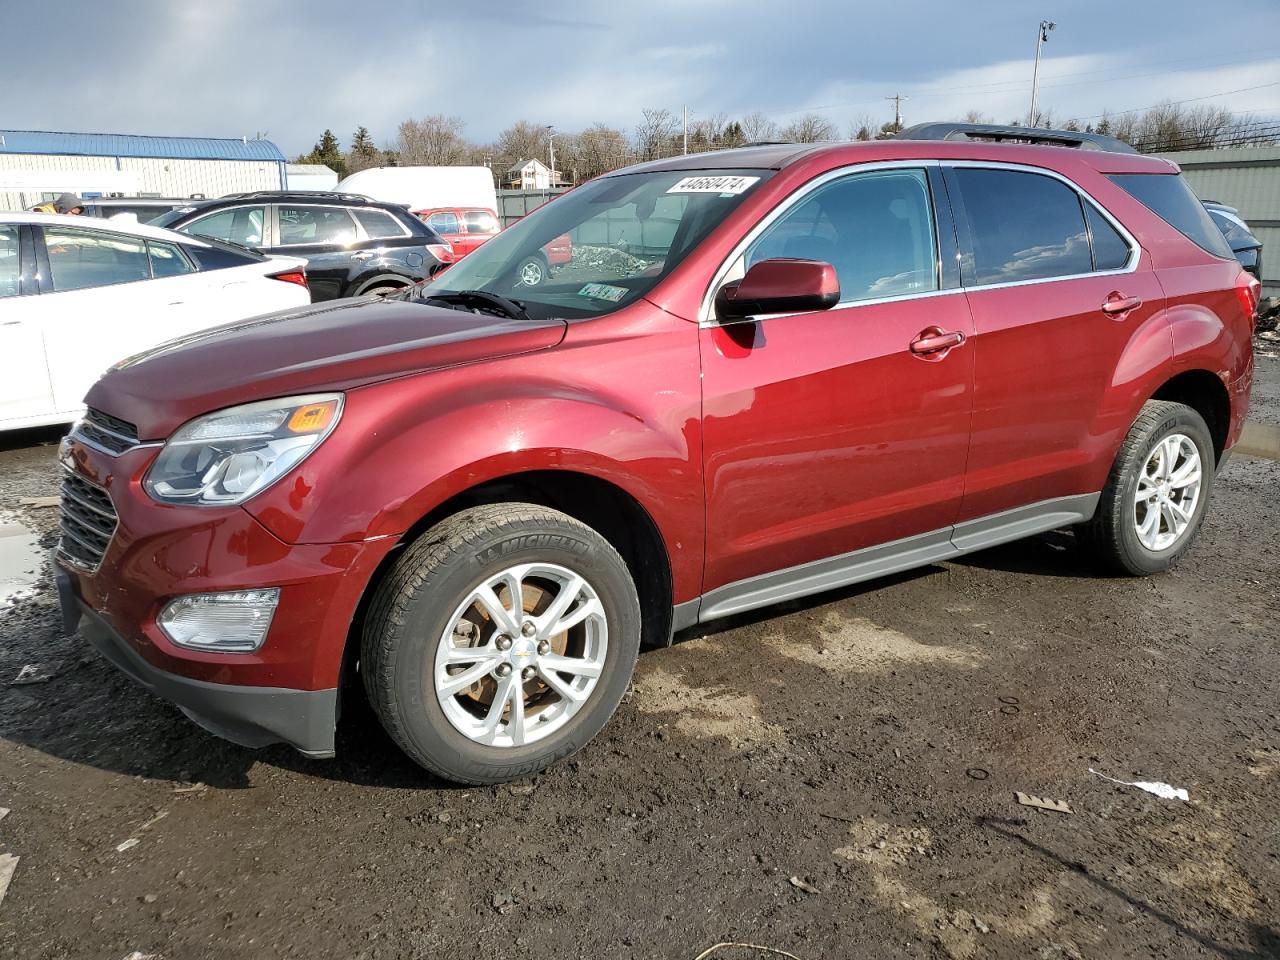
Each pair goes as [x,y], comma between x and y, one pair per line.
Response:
[249,716]
[286,691]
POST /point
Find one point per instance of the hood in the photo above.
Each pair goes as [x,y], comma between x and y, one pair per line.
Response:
[333,346]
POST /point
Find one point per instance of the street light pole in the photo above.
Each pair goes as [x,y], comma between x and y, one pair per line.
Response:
[1042,37]
[551,147]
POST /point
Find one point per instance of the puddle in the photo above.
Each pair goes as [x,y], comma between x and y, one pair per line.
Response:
[1259,440]
[21,559]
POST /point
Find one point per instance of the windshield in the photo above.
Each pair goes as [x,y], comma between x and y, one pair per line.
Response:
[601,246]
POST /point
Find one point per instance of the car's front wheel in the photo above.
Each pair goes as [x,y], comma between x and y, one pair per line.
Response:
[1156,496]
[532,272]
[501,641]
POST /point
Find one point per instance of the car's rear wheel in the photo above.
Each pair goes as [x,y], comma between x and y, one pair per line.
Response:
[532,272]
[501,641]
[1156,496]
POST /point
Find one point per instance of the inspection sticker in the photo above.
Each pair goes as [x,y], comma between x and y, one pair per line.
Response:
[729,186]
[603,291]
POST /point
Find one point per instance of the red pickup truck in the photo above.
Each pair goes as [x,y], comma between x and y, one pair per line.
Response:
[772,371]
[466,228]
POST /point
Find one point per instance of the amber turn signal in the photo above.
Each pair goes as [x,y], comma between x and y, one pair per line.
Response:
[313,418]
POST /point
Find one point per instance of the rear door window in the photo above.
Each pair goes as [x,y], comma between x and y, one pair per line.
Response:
[304,225]
[242,225]
[1024,226]
[875,228]
[1169,198]
[10,265]
[79,259]
[379,224]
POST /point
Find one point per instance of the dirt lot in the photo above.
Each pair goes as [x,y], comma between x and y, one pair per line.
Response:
[867,743]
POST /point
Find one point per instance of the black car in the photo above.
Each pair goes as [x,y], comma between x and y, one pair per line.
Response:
[145,209]
[1243,243]
[352,245]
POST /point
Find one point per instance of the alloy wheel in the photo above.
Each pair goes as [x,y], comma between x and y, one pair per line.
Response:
[521,654]
[1168,492]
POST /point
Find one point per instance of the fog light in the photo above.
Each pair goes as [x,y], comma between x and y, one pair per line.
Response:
[234,622]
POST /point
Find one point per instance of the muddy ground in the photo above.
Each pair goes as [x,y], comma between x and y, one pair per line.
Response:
[867,742]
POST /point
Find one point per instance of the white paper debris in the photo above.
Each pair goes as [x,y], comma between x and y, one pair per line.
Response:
[8,864]
[128,844]
[1163,790]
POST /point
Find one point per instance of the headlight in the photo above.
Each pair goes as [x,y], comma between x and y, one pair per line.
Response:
[224,458]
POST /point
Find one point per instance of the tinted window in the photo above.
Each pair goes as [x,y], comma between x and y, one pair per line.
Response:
[300,224]
[242,225]
[1025,226]
[379,223]
[1110,250]
[167,260]
[444,223]
[480,221]
[218,258]
[10,271]
[84,258]
[1234,230]
[876,229]
[1170,199]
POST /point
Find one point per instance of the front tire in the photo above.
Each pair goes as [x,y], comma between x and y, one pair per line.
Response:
[532,272]
[1155,499]
[500,642]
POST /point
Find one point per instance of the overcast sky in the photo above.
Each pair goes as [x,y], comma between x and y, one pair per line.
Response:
[238,67]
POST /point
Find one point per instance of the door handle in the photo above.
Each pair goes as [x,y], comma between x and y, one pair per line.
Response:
[1117,304]
[934,340]
[361,255]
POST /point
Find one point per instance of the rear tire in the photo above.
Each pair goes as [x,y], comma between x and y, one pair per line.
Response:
[1156,495]
[425,619]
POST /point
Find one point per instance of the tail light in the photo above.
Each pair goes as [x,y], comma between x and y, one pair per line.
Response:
[1249,293]
[442,252]
[292,276]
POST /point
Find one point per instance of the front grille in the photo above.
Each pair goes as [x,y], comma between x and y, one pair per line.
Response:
[88,523]
[107,433]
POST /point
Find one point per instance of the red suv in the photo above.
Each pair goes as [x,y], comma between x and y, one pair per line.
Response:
[768,372]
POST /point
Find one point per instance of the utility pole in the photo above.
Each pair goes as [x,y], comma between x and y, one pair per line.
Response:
[1042,37]
[686,129]
[551,147]
[897,99]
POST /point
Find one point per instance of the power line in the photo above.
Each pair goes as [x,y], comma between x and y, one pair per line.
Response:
[1170,103]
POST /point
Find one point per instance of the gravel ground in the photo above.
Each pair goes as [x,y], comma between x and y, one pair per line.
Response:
[867,743]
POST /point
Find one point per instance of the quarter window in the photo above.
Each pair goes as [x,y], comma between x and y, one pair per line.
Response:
[378,224]
[166,260]
[79,259]
[1169,198]
[307,225]
[242,225]
[875,228]
[1025,226]
[10,269]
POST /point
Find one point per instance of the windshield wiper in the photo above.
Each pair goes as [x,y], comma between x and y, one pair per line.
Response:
[476,299]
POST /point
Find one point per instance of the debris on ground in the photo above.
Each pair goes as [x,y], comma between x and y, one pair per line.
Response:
[8,864]
[32,673]
[503,902]
[1043,803]
[1163,790]
[804,885]
[40,502]
[191,788]
[4,812]
[127,844]
[745,946]
[521,789]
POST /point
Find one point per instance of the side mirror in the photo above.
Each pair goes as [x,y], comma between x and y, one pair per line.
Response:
[780,286]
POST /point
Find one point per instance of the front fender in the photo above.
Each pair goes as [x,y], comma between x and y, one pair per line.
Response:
[406,446]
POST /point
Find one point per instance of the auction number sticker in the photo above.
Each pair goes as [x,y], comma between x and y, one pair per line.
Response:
[725,186]
[603,291]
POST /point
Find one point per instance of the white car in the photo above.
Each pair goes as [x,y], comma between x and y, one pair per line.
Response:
[78,294]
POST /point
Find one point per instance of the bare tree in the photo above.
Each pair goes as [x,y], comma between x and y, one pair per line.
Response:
[599,149]
[862,127]
[434,141]
[977,116]
[523,140]
[811,128]
[655,134]
[756,127]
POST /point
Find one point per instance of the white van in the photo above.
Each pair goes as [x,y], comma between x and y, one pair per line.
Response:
[425,188]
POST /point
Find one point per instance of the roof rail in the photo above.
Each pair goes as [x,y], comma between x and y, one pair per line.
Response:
[993,131]
[310,194]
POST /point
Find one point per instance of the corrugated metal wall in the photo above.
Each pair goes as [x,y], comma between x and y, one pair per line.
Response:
[1247,178]
[166,177]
